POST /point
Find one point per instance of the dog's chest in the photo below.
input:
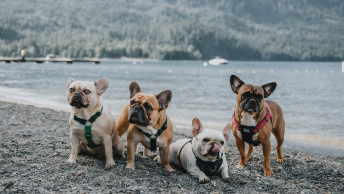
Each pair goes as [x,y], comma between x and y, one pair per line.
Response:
[247,119]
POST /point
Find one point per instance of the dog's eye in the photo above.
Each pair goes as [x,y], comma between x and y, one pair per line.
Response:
[246,95]
[206,140]
[71,90]
[148,107]
[259,97]
[87,91]
[222,142]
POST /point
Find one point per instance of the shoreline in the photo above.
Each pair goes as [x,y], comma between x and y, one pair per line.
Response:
[35,146]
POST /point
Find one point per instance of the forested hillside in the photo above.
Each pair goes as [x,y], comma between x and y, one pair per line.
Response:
[175,29]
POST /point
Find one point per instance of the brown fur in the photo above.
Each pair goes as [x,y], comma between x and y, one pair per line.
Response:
[157,117]
[276,127]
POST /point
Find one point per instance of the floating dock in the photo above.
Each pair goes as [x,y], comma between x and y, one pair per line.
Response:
[52,60]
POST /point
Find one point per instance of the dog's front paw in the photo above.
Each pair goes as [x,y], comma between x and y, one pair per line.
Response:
[71,160]
[168,168]
[109,164]
[280,160]
[239,166]
[268,172]
[203,179]
[130,166]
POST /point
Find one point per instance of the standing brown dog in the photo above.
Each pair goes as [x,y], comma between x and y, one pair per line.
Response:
[254,119]
[147,123]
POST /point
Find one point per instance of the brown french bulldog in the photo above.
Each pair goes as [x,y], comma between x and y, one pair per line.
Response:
[255,119]
[146,122]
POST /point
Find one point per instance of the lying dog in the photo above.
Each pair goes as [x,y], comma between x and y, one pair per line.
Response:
[91,124]
[146,121]
[254,119]
[204,155]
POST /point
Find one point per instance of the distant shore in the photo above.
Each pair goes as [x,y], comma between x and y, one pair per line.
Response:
[35,146]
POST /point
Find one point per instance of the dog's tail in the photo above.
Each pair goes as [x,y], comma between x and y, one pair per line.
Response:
[123,122]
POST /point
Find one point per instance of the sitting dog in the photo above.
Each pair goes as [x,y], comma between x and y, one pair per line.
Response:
[146,121]
[92,126]
[255,119]
[204,155]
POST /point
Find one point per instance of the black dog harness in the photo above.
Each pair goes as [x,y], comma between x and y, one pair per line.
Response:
[153,137]
[209,168]
[247,132]
[88,128]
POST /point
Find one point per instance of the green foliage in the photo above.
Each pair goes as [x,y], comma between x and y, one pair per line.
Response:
[175,29]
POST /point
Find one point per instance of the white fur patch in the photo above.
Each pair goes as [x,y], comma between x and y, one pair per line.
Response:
[247,119]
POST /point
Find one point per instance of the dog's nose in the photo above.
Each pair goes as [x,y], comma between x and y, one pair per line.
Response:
[77,94]
[252,100]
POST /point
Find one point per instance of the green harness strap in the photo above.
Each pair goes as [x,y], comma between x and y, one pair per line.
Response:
[88,128]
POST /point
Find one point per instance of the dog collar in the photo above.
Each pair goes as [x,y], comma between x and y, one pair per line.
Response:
[248,131]
[209,168]
[153,137]
[88,128]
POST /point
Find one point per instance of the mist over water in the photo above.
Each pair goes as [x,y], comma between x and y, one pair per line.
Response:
[310,93]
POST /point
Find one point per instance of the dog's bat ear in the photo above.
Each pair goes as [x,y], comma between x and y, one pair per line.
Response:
[134,88]
[102,85]
[236,83]
[164,99]
[69,82]
[269,88]
[197,127]
[226,131]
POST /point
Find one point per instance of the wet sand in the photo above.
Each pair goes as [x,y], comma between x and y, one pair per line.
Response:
[34,148]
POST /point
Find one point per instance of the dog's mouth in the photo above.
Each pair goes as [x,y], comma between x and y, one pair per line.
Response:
[78,103]
[213,152]
[137,116]
[250,106]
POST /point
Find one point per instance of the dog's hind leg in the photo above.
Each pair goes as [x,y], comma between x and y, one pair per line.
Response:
[278,132]
[249,152]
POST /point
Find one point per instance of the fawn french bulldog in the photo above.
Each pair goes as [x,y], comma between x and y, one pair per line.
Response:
[92,126]
[145,120]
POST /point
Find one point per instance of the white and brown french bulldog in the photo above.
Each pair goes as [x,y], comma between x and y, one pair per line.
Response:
[204,155]
[146,122]
[255,119]
[92,126]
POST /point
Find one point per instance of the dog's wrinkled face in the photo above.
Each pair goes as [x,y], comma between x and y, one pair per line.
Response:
[209,143]
[84,94]
[145,108]
[251,97]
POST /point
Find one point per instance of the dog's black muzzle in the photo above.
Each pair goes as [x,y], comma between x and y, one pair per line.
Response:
[251,105]
[77,101]
[137,116]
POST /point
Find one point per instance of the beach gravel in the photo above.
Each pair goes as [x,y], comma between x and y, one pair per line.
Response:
[34,148]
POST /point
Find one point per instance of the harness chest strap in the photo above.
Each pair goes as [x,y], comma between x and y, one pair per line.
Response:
[88,128]
[153,137]
[247,132]
[259,126]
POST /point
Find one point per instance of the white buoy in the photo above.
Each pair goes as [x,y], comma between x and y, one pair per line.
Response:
[169,71]
[272,71]
[254,71]
[205,64]
[342,66]
[296,71]
[239,71]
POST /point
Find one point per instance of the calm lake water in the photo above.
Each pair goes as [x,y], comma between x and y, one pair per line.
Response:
[310,93]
